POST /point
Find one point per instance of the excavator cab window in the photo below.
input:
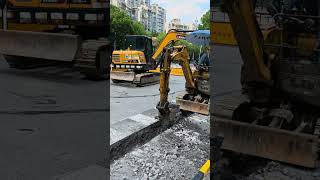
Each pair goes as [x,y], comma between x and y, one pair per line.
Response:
[140,43]
[135,43]
[149,50]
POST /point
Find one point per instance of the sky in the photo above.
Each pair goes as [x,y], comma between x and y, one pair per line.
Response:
[187,10]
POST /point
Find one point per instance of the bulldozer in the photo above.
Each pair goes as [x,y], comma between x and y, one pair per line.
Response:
[279,119]
[134,63]
[73,32]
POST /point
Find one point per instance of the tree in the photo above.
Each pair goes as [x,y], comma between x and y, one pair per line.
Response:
[122,25]
[138,28]
[205,21]
[161,36]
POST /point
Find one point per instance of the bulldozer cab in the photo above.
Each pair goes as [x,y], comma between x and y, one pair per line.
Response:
[140,43]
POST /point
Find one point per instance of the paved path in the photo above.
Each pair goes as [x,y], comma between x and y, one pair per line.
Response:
[52,122]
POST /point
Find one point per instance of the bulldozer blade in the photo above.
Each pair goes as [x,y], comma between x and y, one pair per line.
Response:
[192,106]
[137,79]
[271,143]
[122,76]
[51,46]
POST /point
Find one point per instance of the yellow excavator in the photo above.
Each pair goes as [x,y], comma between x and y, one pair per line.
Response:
[197,95]
[134,63]
[69,31]
[280,119]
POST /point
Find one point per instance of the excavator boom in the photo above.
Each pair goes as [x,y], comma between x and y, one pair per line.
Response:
[171,37]
[250,39]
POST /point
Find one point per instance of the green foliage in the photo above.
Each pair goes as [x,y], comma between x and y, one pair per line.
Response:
[138,28]
[154,34]
[122,25]
[161,36]
[193,49]
[205,21]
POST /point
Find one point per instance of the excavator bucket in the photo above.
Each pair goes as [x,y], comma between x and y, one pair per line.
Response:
[262,140]
[50,46]
[271,143]
[192,105]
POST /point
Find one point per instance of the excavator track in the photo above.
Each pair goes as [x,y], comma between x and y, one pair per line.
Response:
[93,59]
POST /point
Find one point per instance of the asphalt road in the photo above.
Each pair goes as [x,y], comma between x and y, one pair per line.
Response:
[127,100]
[53,121]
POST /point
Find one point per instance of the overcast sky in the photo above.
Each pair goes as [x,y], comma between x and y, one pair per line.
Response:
[187,10]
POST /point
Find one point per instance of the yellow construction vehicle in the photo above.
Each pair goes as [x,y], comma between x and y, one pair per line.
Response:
[280,77]
[134,64]
[196,98]
[57,30]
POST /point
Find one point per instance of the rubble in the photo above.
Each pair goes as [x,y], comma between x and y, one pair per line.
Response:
[177,153]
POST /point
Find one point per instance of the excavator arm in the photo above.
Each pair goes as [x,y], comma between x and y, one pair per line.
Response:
[171,38]
[169,54]
[180,54]
[249,36]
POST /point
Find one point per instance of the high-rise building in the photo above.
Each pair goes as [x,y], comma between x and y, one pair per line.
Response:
[125,5]
[177,24]
[144,15]
[153,17]
[159,19]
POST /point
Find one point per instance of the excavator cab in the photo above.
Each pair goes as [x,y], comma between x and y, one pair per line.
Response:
[140,43]
[137,56]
